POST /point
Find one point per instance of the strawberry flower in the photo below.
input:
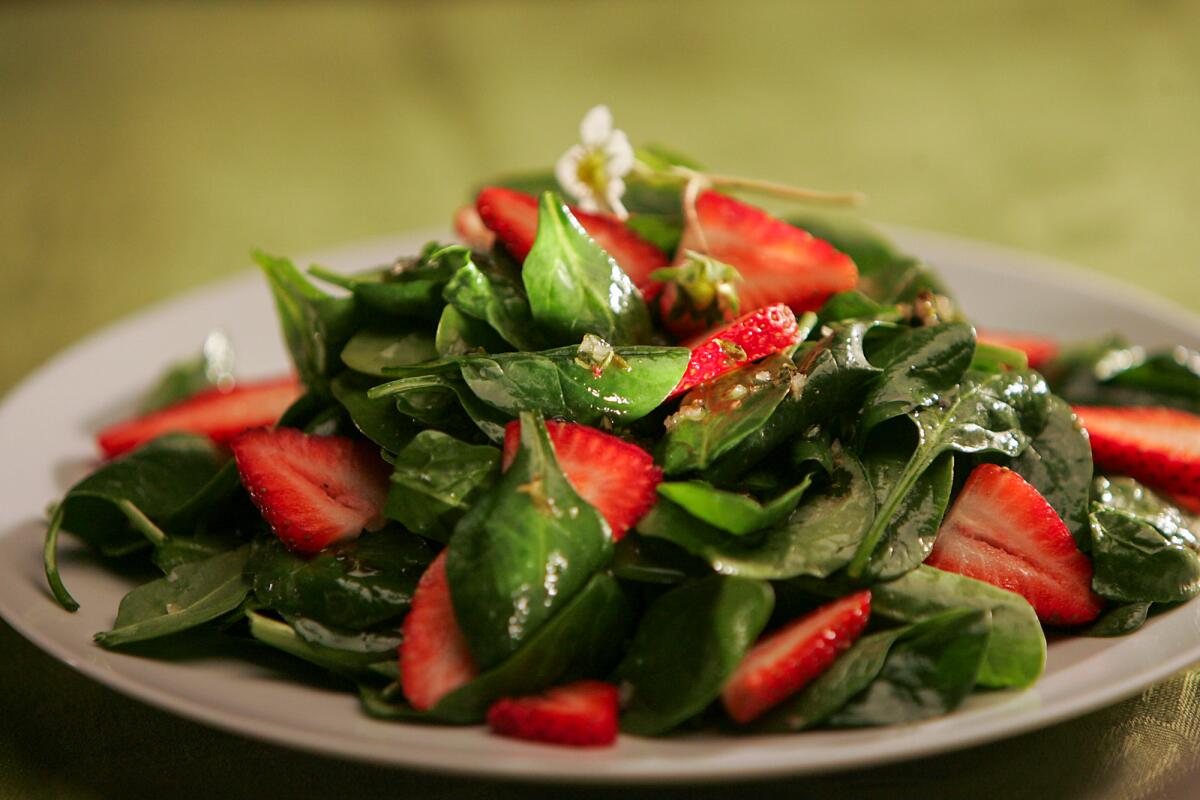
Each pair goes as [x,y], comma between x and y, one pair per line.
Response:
[593,172]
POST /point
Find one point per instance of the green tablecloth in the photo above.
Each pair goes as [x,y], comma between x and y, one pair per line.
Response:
[145,148]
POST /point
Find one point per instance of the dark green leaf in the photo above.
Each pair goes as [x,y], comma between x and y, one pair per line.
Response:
[373,349]
[409,289]
[1112,373]
[732,512]
[1120,620]
[495,298]
[459,333]
[645,560]
[1058,463]
[436,478]
[686,646]
[524,549]
[190,595]
[378,420]
[1134,561]
[574,287]
[346,662]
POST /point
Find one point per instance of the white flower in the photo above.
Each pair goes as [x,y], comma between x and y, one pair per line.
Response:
[593,172]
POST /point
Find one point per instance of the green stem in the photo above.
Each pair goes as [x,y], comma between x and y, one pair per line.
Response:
[403,385]
[912,471]
[50,562]
[141,523]
[329,276]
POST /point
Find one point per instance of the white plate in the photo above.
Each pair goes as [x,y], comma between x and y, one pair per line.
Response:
[46,426]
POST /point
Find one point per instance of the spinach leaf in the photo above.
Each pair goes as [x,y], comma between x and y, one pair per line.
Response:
[495,298]
[345,662]
[1058,463]
[919,367]
[378,420]
[1111,372]
[818,538]
[642,559]
[908,537]
[316,326]
[459,333]
[574,287]
[435,479]
[854,305]
[1119,620]
[1016,651]
[985,413]
[685,648]
[409,289]
[928,672]
[443,402]
[1136,561]
[580,640]
[730,511]
[523,550]
[373,349]
[190,595]
[369,646]
[355,585]
[718,414]
[211,367]
[178,549]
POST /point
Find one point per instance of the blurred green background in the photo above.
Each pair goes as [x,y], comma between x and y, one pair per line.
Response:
[145,148]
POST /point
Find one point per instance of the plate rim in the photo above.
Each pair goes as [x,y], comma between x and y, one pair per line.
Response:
[1062,273]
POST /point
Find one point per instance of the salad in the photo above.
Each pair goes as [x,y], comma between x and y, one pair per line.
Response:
[637,455]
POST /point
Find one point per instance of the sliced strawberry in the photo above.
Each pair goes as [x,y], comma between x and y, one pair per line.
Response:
[619,479]
[751,337]
[1040,350]
[1003,532]
[779,263]
[1158,446]
[470,228]
[219,415]
[312,490]
[782,663]
[434,657]
[513,216]
[580,714]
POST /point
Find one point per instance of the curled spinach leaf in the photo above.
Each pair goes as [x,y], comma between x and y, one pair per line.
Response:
[730,511]
[409,289]
[435,479]
[372,350]
[378,420]
[495,298]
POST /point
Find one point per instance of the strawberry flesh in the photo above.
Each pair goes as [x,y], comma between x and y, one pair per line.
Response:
[218,414]
[513,217]
[580,714]
[778,262]
[312,490]
[434,657]
[787,660]
[1003,532]
[1158,446]
[751,337]
[1040,350]
[619,479]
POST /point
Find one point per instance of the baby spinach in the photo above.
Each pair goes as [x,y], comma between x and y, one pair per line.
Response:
[575,287]
[189,595]
[1058,463]
[730,511]
[459,333]
[375,348]
[643,559]
[986,412]
[355,585]
[1135,561]
[818,537]
[1119,620]
[409,289]
[523,550]
[212,366]
[435,479]
[686,646]
[443,402]
[179,549]
[579,641]
[718,414]
[496,298]
[378,420]
[1111,372]
[316,326]
[353,662]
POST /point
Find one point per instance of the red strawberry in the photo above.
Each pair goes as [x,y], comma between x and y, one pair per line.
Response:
[513,216]
[1041,350]
[779,263]
[472,231]
[1003,532]
[434,658]
[782,663]
[618,478]
[1158,446]
[220,415]
[751,337]
[312,490]
[581,714]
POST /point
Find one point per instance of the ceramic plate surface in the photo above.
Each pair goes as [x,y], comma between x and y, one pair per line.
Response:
[46,427]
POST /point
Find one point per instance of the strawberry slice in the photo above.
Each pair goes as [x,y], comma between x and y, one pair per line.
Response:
[751,337]
[619,479]
[1040,350]
[312,490]
[782,663]
[434,657]
[1158,446]
[470,228]
[219,415]
[1003,532]
[580,714]
[513,216]
[778,262]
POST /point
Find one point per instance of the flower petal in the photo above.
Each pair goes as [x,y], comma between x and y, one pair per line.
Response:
[618,155]
[567,172]
[612,197]
[597,127]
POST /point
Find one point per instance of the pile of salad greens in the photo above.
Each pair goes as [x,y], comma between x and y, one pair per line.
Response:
[815,472]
